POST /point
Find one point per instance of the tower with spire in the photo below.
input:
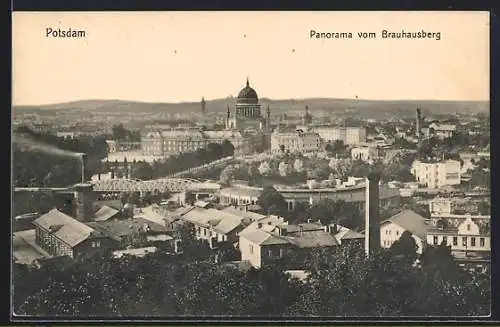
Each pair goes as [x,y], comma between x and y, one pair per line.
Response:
[203,105]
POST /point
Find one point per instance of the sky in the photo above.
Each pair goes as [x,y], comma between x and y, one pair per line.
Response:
[183,56]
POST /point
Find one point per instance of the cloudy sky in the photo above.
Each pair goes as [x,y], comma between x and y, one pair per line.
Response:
[182,56]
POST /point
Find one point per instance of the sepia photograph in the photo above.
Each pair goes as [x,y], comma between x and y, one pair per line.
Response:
[258,164]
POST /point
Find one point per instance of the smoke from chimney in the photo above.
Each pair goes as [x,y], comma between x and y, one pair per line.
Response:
[372,214]
[28,143]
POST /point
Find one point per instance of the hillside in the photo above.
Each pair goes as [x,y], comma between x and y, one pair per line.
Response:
[325,105]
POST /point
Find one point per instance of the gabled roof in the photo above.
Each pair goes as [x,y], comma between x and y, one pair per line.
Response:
[304,227]
[410,221]
[105,213]
[345,233]
[115,204]
[220,221]
[120,228]
[312,239]
[261,237]
[67,229]
[244,213]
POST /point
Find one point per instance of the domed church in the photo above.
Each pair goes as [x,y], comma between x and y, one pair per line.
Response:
[247,112]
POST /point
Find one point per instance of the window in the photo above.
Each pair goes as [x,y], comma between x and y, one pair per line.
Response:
[251,249]
[204,232]
[270,253]
[481,242]
[464,241]
[473,241]
[397,233]
[445,240]
[282,253]
[455,240]
[93,244]
[435,241]
[390,232]
[468,227]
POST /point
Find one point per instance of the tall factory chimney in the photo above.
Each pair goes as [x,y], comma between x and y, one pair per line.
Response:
[84,202]
[83,163]
[418,118]
[372,213]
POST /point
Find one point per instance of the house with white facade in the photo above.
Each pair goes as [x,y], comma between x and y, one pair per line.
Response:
[392,228]
[271,240]
[436,174]
[364,153]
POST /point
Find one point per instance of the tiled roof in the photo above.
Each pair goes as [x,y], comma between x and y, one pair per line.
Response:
[105,213]
[246,214]
[411,222]
[304,227]
[115,204]
[345,233]
[220,221]
[67,229]
[120,228]
[311,239]
[260,237]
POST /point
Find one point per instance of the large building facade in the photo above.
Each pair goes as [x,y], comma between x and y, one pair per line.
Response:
[437,174]
[297,141]
[348,135]
[166,142]
[245,127]
[247,113]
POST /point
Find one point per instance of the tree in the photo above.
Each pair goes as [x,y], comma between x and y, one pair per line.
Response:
[336,147]
[272,201]
[124,198]
[340,168]
[340,212]
[227,175]
[284,169]
[298,165]
[405,247]
[120,133]
[484,208]
[214,151]
[227,148]
[264,168]
[226,252]
[142,170]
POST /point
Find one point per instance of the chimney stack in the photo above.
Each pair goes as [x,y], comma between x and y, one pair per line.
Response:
[372,214]
[83,162]
[84,202]
[417,126]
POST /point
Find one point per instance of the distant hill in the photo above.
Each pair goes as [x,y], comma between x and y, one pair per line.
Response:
[367,108]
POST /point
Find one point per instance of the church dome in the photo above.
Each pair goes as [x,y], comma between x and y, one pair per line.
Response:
[248,95]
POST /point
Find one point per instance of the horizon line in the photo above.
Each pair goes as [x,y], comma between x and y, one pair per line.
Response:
[233,97]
